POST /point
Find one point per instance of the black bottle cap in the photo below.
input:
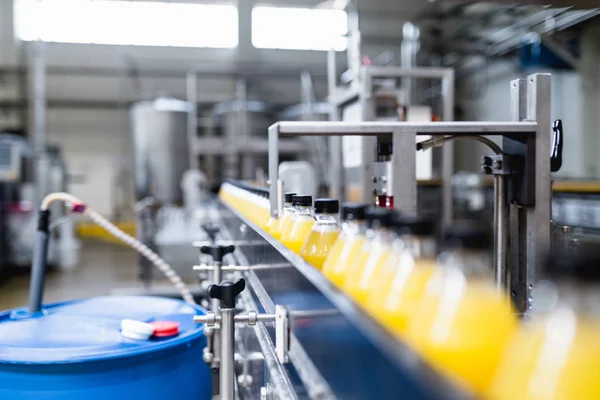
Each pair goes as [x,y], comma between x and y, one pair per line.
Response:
[581,266]
[414,225]
[327,206]
[354,211]
[288,197]
[301,200]
[466,235]
[379,217]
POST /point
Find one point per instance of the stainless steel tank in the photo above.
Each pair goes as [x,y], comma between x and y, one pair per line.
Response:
[160,148]
[245,125]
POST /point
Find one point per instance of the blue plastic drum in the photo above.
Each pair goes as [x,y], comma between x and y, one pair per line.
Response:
[75,350]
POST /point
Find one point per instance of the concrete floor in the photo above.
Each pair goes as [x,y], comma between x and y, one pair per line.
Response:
[102,268]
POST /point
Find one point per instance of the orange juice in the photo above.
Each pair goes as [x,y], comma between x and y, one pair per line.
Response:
[558,355]
[299,230]
[281,223]
[296,229]
[277,224]
[463,330]
[400,284]
[323,234]
[557,358]
[372,256]
[351,238]
[463,323]
[344,250]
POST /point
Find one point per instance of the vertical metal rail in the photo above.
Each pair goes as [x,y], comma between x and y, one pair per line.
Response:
[227,378]
[447,150]
[192,120]
[538,216]
[37,116]
[501,231]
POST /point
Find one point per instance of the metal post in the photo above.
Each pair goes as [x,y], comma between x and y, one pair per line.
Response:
[404,174]
[274,170]
[227,380]
[369,143]
[447,150]
[217,278]
[331,73]
[37,120]
[192,120]
[500,232]
[409,50]
[538,217]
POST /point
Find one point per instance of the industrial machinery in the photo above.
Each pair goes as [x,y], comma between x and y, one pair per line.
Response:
[277,328]
[17,219]
[386,93]
[325,346]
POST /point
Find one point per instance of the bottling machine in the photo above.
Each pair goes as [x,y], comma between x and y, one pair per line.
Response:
[298,336]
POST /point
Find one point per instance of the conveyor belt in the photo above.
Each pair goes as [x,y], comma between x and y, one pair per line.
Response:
[334,342]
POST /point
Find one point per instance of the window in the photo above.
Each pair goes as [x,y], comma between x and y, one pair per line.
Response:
[136,23]
[299,28]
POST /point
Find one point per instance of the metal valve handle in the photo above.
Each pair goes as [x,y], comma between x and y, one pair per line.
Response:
[217,252]
[557,146]
[227,292]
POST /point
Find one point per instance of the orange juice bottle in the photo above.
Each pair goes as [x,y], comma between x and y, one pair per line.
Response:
[348,243]
[374,252]
[324,232]
[463,323]
[296,231]
[401,283]
[557,355]
[277,226]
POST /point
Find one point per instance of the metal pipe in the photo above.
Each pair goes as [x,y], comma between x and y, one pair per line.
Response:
[37,107]
[227,381]
[501,231]
[217,277]
[192,121]
[38,265]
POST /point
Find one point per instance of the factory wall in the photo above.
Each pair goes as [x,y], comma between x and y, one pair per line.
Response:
[485,95]
[87,111]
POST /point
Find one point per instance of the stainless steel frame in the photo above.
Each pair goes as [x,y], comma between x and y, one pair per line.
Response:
[365,93]
[528,136]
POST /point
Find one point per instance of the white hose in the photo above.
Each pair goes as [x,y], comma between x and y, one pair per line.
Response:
[154,258]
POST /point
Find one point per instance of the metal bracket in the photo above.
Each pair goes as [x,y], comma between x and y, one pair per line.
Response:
[502,164]
[282,327]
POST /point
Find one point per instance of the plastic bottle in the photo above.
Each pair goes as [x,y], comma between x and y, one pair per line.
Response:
[375,250]
[557,354]
[297,229]
[400,285]
[324,232]
[278,224]
[348,244]
[463,324]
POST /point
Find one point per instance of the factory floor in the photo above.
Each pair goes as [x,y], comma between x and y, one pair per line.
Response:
[102,268]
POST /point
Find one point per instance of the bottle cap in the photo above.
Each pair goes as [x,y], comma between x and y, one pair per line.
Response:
[164,329]
[302,200]
[327,206]
[288,197]
[379,217]
[414,225]
[137,330]
[354,211]
[466,235]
